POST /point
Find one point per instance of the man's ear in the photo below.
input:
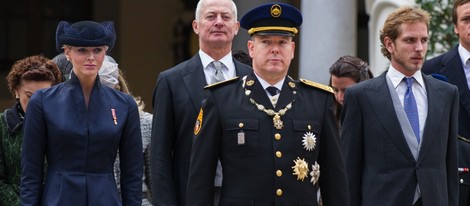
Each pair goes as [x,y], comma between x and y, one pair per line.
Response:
[195,27]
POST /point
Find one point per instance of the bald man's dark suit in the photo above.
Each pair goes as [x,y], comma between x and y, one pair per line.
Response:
[380,165]
[176,100]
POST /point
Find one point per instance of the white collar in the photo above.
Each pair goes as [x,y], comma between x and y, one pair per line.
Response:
[464,54]
[396,77]
[227,60]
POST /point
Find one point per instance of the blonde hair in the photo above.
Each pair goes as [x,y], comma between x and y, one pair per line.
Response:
[402,15]
[124,87]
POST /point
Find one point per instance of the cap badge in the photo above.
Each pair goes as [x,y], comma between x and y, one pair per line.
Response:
[276,10]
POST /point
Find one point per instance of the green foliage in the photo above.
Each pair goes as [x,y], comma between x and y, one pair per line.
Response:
[442,36]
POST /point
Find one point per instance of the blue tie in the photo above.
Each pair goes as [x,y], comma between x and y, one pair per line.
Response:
[273,91]
[411,109]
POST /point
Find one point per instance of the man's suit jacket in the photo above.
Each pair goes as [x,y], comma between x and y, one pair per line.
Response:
[177,99]
[258,159]
[380,166]
[450,65]
[464,174]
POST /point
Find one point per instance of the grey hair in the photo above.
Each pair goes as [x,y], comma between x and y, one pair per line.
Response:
[201,4]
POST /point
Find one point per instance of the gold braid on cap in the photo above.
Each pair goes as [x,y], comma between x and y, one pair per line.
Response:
[269,28]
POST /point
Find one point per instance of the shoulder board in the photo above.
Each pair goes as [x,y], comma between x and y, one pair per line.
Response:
[464,139]
[221,82]
[317,85]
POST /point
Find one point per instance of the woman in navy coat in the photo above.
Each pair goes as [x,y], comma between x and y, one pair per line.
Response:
[78,126]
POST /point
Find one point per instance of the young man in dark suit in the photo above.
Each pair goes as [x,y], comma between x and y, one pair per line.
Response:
[399,130]
[454,65]
[276,137]
[178,95]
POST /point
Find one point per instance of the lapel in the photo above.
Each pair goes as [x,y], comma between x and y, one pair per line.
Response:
[241,69]
[383,107]
[257,92]
[452,68]
[194,80]
[434,94]
[287,93]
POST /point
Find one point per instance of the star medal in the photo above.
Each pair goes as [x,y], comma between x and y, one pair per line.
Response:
[315,173]
[300,168]
[309,141]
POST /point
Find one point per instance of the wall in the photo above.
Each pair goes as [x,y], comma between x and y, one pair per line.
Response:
[145,42]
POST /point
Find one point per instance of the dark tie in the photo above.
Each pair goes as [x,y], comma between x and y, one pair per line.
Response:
[411,109]
[218,75]
[273,91]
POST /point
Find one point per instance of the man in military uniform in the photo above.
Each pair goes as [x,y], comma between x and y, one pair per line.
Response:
[276,137]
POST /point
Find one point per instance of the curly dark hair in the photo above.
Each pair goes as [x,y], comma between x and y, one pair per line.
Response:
[33,68]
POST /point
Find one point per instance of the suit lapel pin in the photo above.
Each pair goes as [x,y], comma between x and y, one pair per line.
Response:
[113,113]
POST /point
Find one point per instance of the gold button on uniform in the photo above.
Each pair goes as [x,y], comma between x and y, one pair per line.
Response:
[241,125]
[279,173]
[279,192]
[277,136]
[278,154]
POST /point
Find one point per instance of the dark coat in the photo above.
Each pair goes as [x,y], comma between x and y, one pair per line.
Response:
[450,65]
[257,167]
[464,173]
[176,102]
[80,145]
[381,168]
[11,137]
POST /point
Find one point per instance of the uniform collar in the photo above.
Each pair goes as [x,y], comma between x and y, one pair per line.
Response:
[265,84]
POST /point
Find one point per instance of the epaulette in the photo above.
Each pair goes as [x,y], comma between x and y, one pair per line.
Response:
[464,139]
[221,82]
[317,85]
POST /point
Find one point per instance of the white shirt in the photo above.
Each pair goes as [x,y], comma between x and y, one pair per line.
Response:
[419,92]
[228,71]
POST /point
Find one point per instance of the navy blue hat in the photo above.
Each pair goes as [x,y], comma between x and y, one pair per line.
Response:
[85,34]
[272,19]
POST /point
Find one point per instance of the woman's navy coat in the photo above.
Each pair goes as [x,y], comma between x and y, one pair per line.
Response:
[80,146]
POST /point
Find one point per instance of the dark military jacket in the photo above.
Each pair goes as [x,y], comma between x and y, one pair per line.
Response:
[262,164]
